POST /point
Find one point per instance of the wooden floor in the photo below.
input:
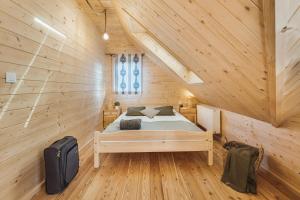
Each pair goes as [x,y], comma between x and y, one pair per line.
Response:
[154,176]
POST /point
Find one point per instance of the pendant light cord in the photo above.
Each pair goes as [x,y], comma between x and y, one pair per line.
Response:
[105,21]
[98,13]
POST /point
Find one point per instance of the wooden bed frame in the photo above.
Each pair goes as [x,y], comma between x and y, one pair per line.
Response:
[152,141]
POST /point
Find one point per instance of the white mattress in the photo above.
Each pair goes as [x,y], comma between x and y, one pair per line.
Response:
[176,117]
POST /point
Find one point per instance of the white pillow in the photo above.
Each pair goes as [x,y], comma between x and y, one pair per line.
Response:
[150,112]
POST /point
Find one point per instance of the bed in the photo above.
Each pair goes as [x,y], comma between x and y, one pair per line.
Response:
[159,134]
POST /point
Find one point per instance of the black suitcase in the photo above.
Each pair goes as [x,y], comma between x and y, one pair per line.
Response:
[61,164]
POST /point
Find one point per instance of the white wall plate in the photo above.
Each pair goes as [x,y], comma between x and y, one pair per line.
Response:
[10,77]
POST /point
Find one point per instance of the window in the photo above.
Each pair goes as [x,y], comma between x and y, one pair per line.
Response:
[166,57]
[127,70]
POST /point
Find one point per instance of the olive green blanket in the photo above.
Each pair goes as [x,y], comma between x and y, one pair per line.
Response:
[239,170]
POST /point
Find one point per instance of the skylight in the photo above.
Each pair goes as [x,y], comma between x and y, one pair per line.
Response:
[168,59]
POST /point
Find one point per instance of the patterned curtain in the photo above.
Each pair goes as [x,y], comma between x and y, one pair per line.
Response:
[127,73]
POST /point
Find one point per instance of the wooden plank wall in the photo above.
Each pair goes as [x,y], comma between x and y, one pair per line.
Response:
[59,89]
[282,145]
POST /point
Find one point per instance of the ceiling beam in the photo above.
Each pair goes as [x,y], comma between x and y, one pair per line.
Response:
[269,39]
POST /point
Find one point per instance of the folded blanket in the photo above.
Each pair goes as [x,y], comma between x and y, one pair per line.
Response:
[133,124]
[239,170]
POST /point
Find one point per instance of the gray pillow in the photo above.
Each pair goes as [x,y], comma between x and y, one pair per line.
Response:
[150,112]
[132,124]
[135,111]
[165,111]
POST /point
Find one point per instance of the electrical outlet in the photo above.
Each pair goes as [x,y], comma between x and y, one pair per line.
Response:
[11,77]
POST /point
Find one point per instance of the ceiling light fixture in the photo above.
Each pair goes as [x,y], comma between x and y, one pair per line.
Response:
[105,34]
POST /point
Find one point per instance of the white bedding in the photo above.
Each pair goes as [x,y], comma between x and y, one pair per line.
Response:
[176,117]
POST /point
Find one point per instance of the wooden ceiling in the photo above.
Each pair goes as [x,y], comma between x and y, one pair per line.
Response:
[95,10]
[223,42]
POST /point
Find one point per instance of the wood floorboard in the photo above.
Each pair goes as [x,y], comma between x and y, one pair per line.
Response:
[144,176]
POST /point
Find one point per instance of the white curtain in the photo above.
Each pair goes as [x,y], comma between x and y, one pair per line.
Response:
[127,73]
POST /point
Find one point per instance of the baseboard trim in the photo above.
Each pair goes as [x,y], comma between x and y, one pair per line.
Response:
[287,189]
[32,192]
[86,144]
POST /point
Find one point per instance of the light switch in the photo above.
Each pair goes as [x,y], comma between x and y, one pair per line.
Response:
[11,77]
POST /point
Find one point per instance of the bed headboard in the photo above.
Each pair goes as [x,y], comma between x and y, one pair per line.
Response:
[209,117]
